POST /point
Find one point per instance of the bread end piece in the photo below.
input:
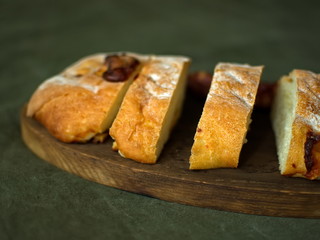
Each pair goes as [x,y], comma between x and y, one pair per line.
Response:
[79,103]
[225,119]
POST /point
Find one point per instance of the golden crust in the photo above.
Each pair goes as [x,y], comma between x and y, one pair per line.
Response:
[307,119]
[78,103]
[225,118]
[138,127]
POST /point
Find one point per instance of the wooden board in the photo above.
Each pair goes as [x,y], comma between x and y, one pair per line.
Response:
[256,187]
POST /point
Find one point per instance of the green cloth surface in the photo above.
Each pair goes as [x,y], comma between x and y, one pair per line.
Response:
[40,38]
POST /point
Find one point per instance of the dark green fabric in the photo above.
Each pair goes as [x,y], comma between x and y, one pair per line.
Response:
[40,38]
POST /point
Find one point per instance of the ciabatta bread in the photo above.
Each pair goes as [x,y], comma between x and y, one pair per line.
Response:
[296,123]
[150,109]
[225,119]
[82,101]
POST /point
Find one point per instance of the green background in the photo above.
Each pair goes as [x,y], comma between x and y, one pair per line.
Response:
[40,38]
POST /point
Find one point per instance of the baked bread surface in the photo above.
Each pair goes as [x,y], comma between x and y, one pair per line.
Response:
[225,118]
[296,123]
[79,103]
[150,109]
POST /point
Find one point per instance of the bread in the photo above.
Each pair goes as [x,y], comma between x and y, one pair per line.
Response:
[296,122]
[150,109]
[225,119]
[81,102]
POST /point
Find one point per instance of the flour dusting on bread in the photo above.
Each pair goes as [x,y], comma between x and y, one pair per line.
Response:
[71,81]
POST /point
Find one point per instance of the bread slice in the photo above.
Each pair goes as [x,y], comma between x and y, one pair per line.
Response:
[82,101]
[150,109]
[296,122]
[225,119]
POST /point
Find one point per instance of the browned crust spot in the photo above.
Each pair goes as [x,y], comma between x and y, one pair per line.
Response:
[119,67]
[311,148]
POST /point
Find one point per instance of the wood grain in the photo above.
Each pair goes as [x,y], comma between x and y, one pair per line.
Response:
[256,187]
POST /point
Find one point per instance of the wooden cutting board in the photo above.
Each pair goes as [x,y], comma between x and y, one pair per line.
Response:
[256,187]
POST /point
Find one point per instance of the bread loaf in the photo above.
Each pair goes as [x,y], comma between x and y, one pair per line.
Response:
[150,109]
[296,123]
[82,101]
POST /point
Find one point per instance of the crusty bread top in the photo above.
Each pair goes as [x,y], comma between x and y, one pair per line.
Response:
[137,127]
[236,82]
[308,104]
[74,104]
[226,115]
